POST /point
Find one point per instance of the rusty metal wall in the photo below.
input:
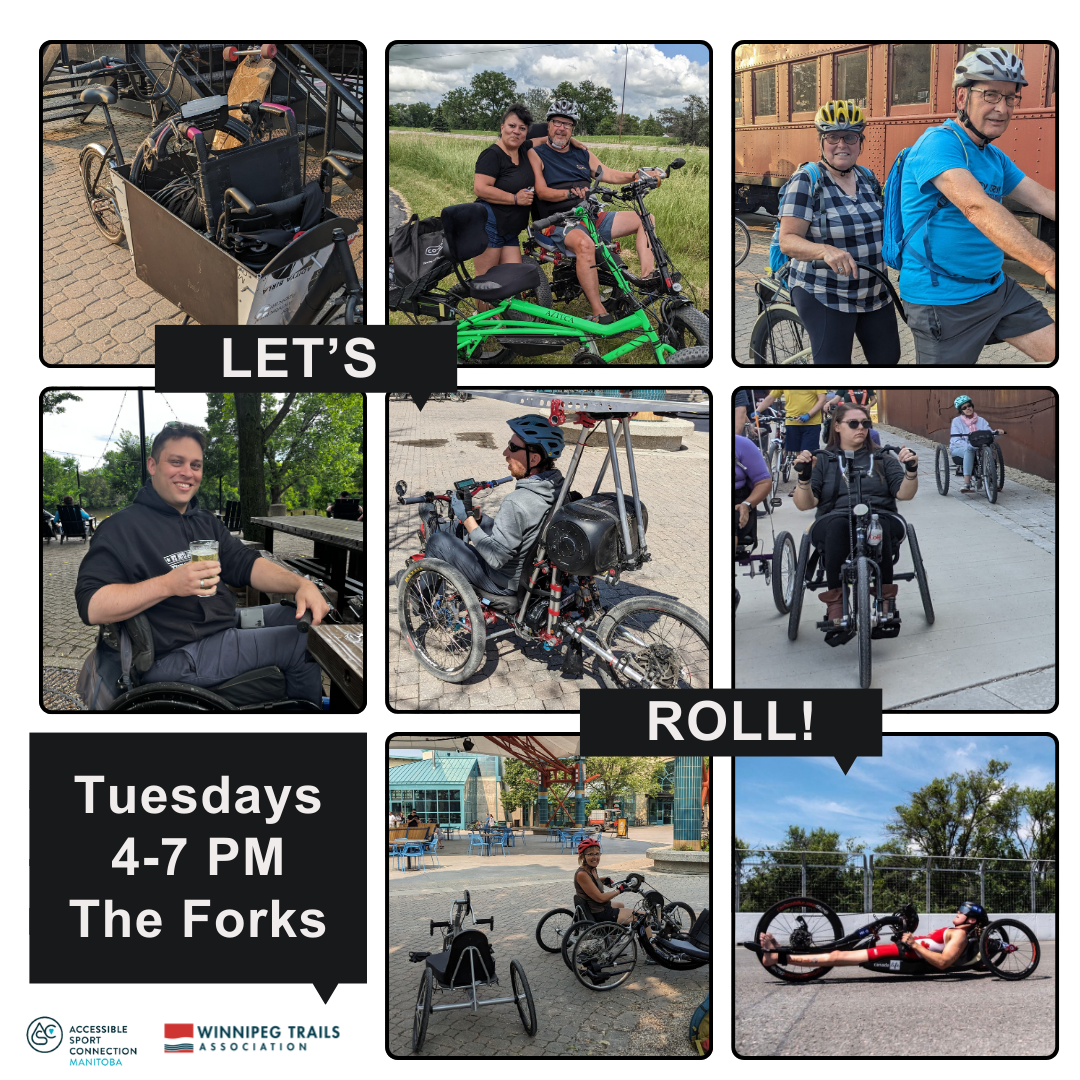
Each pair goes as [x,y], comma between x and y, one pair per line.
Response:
[1028,415]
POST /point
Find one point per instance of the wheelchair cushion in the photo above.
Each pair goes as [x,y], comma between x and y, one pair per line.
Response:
[503,281]
[252,687]
[443,964]
[98,95]
[464,227]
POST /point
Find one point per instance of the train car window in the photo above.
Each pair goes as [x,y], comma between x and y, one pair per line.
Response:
[804,91]
[765,92]
[965,49]
[851,77]
[738,97]
[911,74]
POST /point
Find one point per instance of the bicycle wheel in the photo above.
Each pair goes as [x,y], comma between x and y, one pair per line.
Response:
[422,1011]
[692,356]
[942,469]
[1000,459]
[785,467]
[1009,949]
[798,588]
[604,956]
[799,923]
[570,937]
[96,173]
[688,327]
[523,998]
[442,620]
[662,638]
[779,337]
[863,615]
[742,241]
[920,575]
[487,352]
[784,564]
[989,473]
[551,929]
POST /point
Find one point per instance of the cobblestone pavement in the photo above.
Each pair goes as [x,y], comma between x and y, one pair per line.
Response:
[746,310]
[648,1015]
[452,440]
[94,309]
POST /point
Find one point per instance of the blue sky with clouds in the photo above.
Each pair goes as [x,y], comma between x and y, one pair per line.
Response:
[772,793]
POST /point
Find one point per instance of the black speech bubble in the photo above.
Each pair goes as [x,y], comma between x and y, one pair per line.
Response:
[71,855]
[193,358]
[843,724]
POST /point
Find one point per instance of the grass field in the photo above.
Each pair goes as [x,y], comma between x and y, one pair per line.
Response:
[431,172]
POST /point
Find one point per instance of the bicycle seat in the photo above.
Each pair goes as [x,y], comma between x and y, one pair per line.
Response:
[98,95]
[503,281]
[501,602]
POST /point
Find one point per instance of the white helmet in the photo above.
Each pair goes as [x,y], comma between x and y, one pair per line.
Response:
[989,65]
[563,107]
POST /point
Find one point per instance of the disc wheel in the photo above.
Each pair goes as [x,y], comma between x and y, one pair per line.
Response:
[604,956]
[441,619]
[662,638]
[799,923]
[989,474]
[942,469]
[523,998]
[779,337]
[422,1011]
[551,929]
[798,588]
[1009,949]
[863,615]
[97,184]
[784,562]
[920,574]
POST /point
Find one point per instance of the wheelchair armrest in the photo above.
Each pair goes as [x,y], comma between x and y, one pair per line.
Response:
[241,200]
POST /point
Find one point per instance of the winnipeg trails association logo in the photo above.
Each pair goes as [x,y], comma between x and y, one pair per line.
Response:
[179,1038]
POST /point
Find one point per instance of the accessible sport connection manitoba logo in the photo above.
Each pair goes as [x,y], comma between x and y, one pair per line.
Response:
[190,1038]
[85,1041]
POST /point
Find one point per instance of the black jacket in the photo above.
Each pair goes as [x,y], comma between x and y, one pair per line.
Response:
[149,538]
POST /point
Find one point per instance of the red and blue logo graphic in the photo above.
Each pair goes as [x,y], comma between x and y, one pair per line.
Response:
[179,1038]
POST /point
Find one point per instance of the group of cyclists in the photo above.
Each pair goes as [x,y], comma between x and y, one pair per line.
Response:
[957,299]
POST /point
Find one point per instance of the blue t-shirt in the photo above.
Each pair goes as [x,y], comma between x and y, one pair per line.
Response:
[955,244]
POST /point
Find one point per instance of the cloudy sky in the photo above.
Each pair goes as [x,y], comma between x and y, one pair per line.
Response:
[657,76]
[772,793]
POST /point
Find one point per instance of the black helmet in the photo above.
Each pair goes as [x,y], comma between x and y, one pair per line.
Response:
[976,911]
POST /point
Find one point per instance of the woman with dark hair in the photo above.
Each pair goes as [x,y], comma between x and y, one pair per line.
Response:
[823,483]
[503,181]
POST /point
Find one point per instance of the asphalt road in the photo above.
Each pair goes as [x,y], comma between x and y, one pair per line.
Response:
[860,1013]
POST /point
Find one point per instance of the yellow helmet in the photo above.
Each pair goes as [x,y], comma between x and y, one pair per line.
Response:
[840,116]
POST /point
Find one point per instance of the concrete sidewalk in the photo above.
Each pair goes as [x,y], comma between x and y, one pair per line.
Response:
[992,580]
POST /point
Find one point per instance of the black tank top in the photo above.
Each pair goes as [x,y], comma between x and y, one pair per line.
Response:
[595,906]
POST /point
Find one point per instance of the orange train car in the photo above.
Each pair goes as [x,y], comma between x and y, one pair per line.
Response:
[904,89]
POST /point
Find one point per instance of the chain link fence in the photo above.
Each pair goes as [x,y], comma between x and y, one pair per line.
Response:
[868,882]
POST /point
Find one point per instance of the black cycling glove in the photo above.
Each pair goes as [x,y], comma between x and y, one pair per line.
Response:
[804,469]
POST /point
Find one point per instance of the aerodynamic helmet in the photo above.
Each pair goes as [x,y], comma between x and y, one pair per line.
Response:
[989,65]
[976,911]
[840,116]
[535,430]
[961,401]
[563,107]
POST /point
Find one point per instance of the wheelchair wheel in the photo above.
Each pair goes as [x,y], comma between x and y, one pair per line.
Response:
[171,697]
[523,998]
[422,1011]
[942,469]
[604,956]
[863,615]
[920,574]
[680,915]
[798,588]
[1009,949]
[570,937]
[799,923]
[663,638]
[551,929]
[442,620]
[783,572]
[989,473]
[1000,459]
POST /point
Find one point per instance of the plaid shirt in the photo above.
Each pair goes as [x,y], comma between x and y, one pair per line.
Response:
[850,223]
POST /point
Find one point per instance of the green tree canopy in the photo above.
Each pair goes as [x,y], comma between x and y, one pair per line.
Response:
[593,102]
[57,480]
[458,107]
[438,120]
[651,126]
[537,98]
[51,401]
[690,125]
[492,94]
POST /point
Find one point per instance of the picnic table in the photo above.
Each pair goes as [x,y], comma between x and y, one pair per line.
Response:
[339,651]
[339,552]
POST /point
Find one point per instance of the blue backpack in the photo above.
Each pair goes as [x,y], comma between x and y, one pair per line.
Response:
[777,259]
[896,239]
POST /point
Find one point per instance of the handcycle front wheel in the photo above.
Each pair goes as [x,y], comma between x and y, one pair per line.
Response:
[784,562]
[96,172]
[800,922]
[441,619]
[523,998]
[662,638]
[422,1011]
[1009,949]
[779,337]
[604,956]
[943,469]
[552,927]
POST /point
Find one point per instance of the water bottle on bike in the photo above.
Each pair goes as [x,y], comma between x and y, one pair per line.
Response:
[873,537]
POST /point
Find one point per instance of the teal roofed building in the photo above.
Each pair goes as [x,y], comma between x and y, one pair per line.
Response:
[441,789]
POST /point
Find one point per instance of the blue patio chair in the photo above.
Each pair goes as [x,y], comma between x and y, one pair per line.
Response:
[431,849]
[498,840]
[508,837]
[414,849]
[476,840]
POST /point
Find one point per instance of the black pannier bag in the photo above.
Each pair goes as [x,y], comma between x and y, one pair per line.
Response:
[584,536]
[421,257]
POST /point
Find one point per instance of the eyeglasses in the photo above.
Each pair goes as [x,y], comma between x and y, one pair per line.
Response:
[850,138]
[992,97]
[854,424]
[563,124]
[965,407]
[513,447]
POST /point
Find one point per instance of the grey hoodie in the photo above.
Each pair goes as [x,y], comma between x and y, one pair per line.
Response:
[504,540]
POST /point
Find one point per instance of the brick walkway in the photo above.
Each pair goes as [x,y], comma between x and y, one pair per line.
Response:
[453,440]
[648,1015]
[746,309]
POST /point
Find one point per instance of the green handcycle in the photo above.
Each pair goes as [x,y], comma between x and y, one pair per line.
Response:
[520,320]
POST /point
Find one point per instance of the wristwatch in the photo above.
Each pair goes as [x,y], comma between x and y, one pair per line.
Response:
[748,504]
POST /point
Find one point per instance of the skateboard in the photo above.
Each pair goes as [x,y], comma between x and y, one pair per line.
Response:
[250,82]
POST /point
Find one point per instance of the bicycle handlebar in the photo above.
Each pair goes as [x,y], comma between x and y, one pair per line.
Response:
[821,264]
[428,496]
[97,65]
[967,434]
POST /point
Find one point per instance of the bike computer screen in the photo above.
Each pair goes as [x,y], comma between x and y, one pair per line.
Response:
[464,485]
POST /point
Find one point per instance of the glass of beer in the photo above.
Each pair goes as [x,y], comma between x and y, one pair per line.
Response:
[204,551]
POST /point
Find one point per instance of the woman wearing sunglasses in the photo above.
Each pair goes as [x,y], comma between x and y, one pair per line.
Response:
[839,220]
[821,485]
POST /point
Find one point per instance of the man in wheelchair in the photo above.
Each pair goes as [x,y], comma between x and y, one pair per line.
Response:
[139,563]
[493,558]
[942,949]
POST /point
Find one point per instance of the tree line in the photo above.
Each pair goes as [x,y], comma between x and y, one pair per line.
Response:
[481,105]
